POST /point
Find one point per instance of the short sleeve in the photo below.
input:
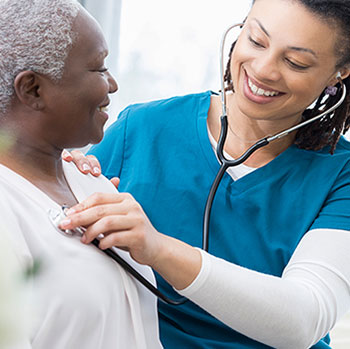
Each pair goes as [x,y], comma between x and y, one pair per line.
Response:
[110,152]
[335,213]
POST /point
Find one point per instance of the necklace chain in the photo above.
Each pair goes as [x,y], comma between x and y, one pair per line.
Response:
[241,139]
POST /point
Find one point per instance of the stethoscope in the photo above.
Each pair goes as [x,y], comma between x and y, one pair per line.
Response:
[56,216]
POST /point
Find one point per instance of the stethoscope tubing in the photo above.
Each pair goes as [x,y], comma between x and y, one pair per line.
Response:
[114,255]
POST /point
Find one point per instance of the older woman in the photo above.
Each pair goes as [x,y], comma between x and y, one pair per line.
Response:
[277,273]
[54,90]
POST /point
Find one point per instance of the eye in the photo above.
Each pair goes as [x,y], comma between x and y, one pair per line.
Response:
[295,65]
[255,43]
[102,70]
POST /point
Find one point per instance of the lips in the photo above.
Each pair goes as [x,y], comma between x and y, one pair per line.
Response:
[103,107]
[259,93]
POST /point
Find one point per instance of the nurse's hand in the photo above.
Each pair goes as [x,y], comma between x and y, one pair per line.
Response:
[85,163]
[121,220]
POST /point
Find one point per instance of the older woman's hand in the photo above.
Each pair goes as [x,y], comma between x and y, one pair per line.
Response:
[85,163]
[121,220]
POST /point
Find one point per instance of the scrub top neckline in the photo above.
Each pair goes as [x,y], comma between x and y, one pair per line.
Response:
[250,179]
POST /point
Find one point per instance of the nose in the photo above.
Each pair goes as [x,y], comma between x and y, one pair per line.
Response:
[113,86]
[266,67]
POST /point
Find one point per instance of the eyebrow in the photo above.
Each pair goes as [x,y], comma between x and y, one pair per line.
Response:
[294,48]
[261,26]
[302,49]
[100,56]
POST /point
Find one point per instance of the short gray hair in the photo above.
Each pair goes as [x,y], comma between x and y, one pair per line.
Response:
[34,35]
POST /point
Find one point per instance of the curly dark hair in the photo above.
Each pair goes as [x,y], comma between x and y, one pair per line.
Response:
[326,131]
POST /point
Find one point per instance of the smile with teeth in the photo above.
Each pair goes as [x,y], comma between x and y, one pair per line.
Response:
[258,91]
[102,109]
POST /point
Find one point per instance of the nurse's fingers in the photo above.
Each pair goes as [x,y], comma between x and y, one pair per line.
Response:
[86,164]
[115,181]
[97,199]
[142,249]
[121,239]
[93,214]
[94,164]
[109,227]
[66,155]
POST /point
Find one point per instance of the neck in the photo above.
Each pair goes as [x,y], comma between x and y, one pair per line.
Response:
[32,158]
[244,131]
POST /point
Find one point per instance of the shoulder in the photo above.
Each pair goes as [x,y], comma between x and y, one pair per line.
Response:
[343,146]
[169,104]
[159,111]
[340,157]
[84,185]
[325,168]
[10,217]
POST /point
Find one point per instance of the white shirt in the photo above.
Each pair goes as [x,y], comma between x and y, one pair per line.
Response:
[86,300]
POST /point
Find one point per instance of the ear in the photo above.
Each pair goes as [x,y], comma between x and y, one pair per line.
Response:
[344,73]
[27,87]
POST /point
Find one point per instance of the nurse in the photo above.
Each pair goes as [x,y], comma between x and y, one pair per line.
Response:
[278,270]
[54,89]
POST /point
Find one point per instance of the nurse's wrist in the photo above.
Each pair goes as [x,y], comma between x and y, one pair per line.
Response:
[177,262]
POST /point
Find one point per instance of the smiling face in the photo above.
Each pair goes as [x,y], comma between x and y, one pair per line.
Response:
[282,61]
[76,105]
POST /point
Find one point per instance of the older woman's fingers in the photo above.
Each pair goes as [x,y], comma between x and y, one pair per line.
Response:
[94,164]
[82,163]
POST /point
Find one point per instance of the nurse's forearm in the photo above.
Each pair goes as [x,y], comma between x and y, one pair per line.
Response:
[177,262]
[292,311]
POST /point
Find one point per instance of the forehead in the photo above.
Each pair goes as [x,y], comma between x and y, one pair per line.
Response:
[289,22]
[89,44]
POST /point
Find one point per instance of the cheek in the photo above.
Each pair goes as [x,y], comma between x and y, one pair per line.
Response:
[97,91]
[305,88]
[241,54]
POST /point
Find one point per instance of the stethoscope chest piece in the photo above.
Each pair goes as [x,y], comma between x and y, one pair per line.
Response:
[55,217]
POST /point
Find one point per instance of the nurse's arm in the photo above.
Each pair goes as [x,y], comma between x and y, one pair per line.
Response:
[292,311]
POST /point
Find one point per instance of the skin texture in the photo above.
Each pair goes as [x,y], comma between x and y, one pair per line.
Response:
[46,117]
[278,58]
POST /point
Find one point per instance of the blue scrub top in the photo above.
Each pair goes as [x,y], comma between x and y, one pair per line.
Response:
[163,156]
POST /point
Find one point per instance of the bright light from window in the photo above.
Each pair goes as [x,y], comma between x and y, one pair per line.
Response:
[171,47]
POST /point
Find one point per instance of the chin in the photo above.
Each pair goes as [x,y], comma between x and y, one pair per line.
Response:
[97,138]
